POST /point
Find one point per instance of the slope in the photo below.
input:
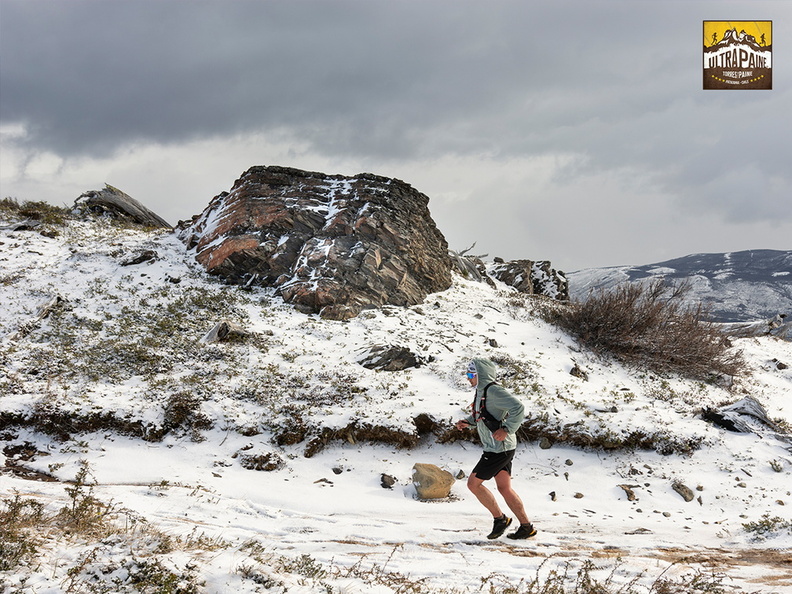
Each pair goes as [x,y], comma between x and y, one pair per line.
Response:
[116,379]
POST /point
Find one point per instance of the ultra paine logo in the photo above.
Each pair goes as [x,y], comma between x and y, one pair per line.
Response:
[738,54]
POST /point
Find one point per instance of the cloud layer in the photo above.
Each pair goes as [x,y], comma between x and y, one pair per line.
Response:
[572,131]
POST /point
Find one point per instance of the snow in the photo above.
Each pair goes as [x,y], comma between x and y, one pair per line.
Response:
[331,507]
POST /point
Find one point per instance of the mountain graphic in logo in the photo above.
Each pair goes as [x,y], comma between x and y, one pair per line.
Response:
[738,55]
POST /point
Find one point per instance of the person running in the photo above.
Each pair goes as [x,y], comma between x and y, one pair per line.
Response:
[497,415]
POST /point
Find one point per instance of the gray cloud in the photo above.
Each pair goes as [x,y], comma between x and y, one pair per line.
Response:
[612,89]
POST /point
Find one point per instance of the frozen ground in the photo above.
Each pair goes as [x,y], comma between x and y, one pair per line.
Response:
[325,523]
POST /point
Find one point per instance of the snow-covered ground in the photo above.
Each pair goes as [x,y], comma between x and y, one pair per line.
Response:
[126,340]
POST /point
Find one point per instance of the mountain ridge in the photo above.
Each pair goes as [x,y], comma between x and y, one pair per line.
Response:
[739,286]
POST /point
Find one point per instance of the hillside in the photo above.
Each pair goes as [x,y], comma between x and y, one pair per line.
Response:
[736,286]
[114,384]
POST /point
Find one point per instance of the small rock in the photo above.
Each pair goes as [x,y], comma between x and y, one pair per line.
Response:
[387,481]
[578,372]
[268,461]
[144,256]
[569,462]
[640,531]
[684,491]
[630,493]
[552,495]
[545,443]
[578,495]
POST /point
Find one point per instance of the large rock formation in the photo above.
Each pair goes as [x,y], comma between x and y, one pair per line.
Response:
[331,244]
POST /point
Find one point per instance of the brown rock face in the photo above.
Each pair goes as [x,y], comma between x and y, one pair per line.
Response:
[332,244]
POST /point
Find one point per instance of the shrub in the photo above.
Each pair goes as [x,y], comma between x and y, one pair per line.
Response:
[651,324]
[17,543]
[768,526]
[39,211]
[84,513]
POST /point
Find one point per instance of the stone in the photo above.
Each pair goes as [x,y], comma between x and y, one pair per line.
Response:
[578,372]
[683,490]
[432,482]
[141,257]
[545,443]
[391,358]
[533,278]
[628,490]
[330,244]
[266,461]
[225,332]
[113,202]
[387,481]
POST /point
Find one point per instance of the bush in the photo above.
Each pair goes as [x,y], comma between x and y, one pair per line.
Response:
[39,211]
[17,543]
[651,324]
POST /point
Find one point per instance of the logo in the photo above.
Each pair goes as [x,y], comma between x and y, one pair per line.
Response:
[738,55]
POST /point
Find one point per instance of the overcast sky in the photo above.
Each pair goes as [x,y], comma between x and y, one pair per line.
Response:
[575,131]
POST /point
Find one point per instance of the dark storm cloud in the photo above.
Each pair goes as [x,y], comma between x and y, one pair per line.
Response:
[398,78]
[615,85]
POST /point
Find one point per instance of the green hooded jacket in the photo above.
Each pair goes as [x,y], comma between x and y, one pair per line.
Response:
[501,404]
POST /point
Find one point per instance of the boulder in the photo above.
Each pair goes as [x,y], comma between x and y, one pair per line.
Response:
[264,461]
[112,201]
[432,482]
[533,278]
[391,358]
[225,332]
[331,244]
[140,258]
[776,326]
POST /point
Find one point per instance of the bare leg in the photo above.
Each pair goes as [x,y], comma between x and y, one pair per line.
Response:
[484,495]
[503,482]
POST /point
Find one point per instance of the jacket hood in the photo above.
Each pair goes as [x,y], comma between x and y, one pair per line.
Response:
[486,371]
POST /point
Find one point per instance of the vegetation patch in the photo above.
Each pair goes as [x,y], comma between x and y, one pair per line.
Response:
[650,325]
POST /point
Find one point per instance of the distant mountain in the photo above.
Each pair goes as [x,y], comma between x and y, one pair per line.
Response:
[737,286]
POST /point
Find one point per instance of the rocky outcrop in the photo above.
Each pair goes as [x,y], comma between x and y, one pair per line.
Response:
[391,358]
[331,244]
[775,326]
[533,278]
[113,202]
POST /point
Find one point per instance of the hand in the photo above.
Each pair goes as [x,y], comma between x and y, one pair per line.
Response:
[462,424]
[500,435]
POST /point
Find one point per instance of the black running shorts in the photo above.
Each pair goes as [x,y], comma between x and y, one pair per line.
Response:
[491,463]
